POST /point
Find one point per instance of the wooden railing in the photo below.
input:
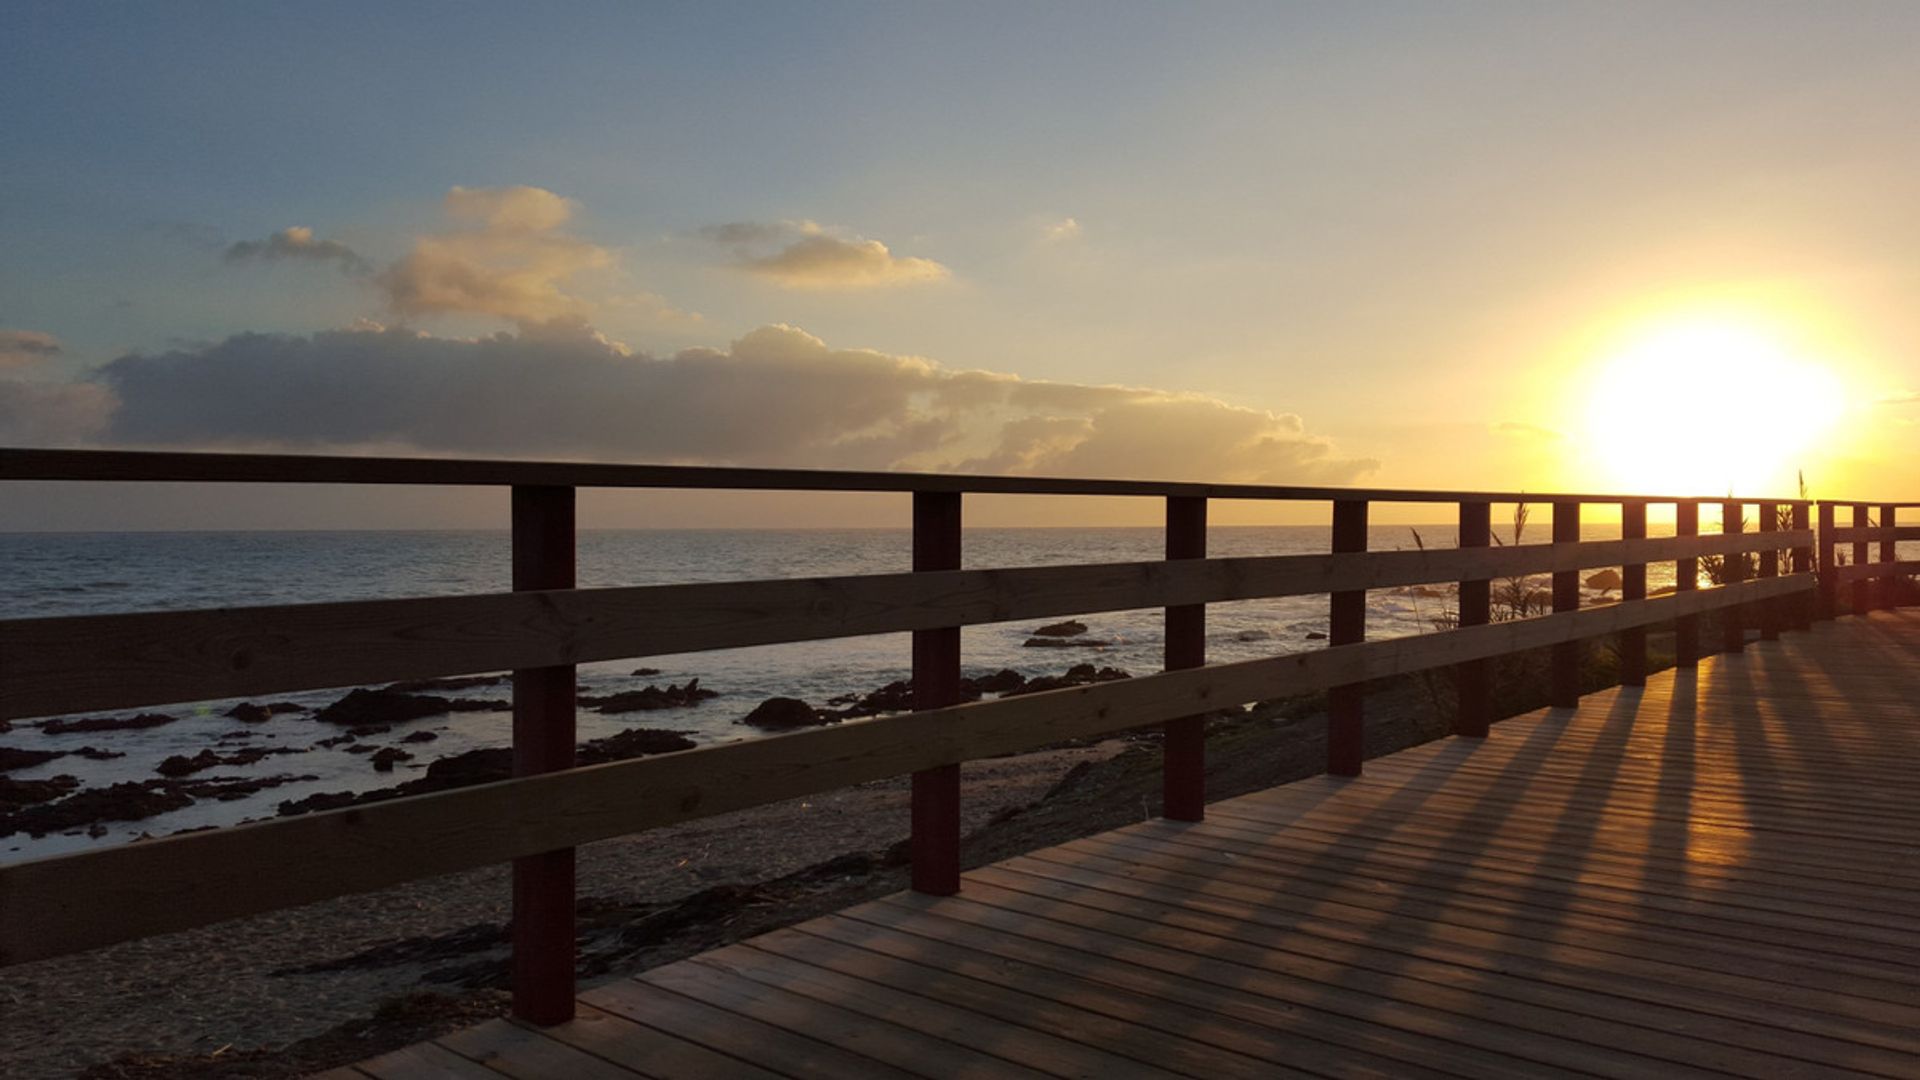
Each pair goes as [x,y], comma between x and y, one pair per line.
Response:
[545,627]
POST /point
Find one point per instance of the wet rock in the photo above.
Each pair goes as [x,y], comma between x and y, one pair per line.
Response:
[1252,635]
[421,736]
[1069,628]
[999,682]
[337,740]
[384,758]
[649,699]
[117,802]
[645,672]
[473,767]
[180,765]
[1606,580]
[1077,675]
[15,794]
[360,748]
[230,788]
[249,713]
[363,707]
[94,753]
[633,743]
[106,723]
[786,714]
[13,757]
[1315,635]
[1066,643]
[458,682]
[365,730]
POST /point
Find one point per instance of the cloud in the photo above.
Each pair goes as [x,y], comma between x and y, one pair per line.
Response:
[24,348]
[510,261]
[297,242]
[1055,232]
[805,255]
[53,413]
[1905,397]
[778,395]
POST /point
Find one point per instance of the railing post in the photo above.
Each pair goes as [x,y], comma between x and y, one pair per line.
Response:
[1347,625]
[1733,571]
[935,841]
[1472,679]
[1566,597]
[1183,765]
[1862,598]
[1686,578]
[1802,564]
[1887,584]
[1633,586]
[1829,573]
[1770,610]
[543,741]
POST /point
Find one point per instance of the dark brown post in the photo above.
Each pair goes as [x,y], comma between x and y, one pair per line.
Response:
[1472,679]
[1862,555]
[543,741]
[1770,610]
[1886,585]
[1733,571]
[1346,732]
[1633,586]
[1183,776]
[1829,572]
[1686,578]
[1802,564]
[1566,597]
[936,683]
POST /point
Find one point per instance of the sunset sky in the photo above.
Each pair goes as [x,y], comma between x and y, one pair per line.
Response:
[1649,247]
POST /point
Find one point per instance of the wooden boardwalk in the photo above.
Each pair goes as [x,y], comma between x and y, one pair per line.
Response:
[1717,874]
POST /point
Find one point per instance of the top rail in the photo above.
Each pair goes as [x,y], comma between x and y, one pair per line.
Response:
[191,467]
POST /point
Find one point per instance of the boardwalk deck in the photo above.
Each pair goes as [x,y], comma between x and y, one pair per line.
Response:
[1717,874]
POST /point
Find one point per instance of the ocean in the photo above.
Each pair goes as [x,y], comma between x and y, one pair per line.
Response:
[48,574]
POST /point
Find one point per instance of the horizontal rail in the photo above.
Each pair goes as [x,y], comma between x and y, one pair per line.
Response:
[94,662]
[1856,533]
[167,466]
[85,900]
[1865,571]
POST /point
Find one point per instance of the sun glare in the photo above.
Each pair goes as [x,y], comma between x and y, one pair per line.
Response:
[1708,406]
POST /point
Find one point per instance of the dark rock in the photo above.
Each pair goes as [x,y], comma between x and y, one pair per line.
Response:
[106,723]
[1252,635]
[229,788]
[421,736]
[645,672]
[365,730]
[1077,675]
[117,802]
[633,743]
[13,757]
[1069,628]
[458,682]
[94,753]
[785,714]
[363,707]
[337,740]
[1000,681]
[177,765]
[250,713]
[1315,635]
[1066,643]
[1606,580]
[384,758]
[360,748]
[649,698]
[473,767]
[15,794]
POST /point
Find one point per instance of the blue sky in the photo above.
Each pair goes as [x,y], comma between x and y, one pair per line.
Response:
[1387,225]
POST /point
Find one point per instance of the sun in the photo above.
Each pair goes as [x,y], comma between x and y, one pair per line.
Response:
[1705,406]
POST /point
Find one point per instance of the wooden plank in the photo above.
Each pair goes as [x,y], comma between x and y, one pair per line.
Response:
[92,662]
[1347,625]
[647,1050]
[1567,660]
[192,467]
[177,882]
[1866,571]
[425,1061]
[934,841]
[1183,747]
[526,1054]
[1473,686]
[1882,532]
